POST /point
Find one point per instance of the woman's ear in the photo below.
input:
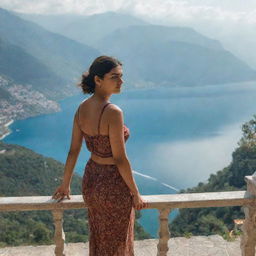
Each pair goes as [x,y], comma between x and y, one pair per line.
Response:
[97,80]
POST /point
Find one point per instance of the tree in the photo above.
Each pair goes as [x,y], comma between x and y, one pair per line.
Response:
[249,133]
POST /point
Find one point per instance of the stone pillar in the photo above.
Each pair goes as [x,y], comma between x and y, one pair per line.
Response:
[59,235]
[164,234]
[248,239]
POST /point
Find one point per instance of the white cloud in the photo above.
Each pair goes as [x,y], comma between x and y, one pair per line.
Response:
[187,11]
[177,10]
[61,6]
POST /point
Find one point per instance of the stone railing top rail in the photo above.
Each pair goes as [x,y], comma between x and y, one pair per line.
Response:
[190,200]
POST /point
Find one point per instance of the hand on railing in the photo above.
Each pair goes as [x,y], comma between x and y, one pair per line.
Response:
[61,192]
[138,202]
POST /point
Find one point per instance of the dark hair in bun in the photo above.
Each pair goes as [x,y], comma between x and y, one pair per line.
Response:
[99,67]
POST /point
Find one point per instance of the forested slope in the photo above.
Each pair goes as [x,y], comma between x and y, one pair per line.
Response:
[26,173]
[207,221]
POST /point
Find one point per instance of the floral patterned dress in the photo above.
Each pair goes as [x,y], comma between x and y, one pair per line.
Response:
[111,214]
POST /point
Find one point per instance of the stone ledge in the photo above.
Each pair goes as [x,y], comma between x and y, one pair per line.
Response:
[213,245]
[189,200]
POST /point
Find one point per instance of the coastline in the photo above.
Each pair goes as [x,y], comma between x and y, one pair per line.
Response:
[6,127]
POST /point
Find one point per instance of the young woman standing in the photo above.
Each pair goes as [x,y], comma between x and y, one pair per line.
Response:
[109,189]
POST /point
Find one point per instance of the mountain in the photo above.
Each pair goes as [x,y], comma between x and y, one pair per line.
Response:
[36,67]
[26,173]
[64,57]
[154,55]
[23,68]
[27,87]
[237,37]
[158,34]
[180,55]
[84,29]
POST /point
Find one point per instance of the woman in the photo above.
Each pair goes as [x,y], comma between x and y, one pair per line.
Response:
[108,187]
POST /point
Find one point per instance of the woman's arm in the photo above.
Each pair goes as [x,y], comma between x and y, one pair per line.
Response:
[74,150]
[75,147]
[116,135]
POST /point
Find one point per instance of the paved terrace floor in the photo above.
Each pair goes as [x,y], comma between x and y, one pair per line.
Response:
[197,245]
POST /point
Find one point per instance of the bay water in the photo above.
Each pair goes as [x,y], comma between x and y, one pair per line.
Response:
[178,136]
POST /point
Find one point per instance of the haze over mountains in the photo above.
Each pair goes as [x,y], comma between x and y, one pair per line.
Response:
[239,37]
[84,29]
[181,55]
[48,64]
[173,56]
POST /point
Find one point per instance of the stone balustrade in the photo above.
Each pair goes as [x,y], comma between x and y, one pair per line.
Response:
[164,203]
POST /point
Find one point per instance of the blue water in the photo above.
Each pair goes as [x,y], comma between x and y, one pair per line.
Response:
[178,135]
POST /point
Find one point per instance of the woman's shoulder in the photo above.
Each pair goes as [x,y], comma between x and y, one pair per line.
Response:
[111,108]
[114,107]
[81,104]
[115,113]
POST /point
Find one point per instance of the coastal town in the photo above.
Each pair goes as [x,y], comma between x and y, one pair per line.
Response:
[19,102]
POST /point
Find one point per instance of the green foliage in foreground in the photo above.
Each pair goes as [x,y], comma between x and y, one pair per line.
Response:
[26,173]
[219,220]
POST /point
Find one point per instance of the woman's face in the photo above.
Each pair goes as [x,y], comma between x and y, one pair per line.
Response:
[112,81]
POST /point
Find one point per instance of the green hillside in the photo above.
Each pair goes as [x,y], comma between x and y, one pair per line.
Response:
[208,221]
[23,68]
[26,173]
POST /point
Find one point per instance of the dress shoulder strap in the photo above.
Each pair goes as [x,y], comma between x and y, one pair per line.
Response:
[101,116]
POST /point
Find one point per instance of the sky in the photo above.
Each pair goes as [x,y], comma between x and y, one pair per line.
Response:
[218,10]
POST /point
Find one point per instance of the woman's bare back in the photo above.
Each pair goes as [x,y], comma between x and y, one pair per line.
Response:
[89,115]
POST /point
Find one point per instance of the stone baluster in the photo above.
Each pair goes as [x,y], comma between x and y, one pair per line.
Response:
[248,239]
[59,235]
[164,234]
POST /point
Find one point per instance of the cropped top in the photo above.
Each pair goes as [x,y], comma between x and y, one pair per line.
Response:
[100,144]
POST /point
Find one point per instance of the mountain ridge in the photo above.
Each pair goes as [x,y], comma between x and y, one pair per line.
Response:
[176,63]
[86,29]
[64,56]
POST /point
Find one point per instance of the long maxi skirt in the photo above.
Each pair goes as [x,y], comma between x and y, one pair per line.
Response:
[111,214]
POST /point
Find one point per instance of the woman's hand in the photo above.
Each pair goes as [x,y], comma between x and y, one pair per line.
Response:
[138,202]
[61,192]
